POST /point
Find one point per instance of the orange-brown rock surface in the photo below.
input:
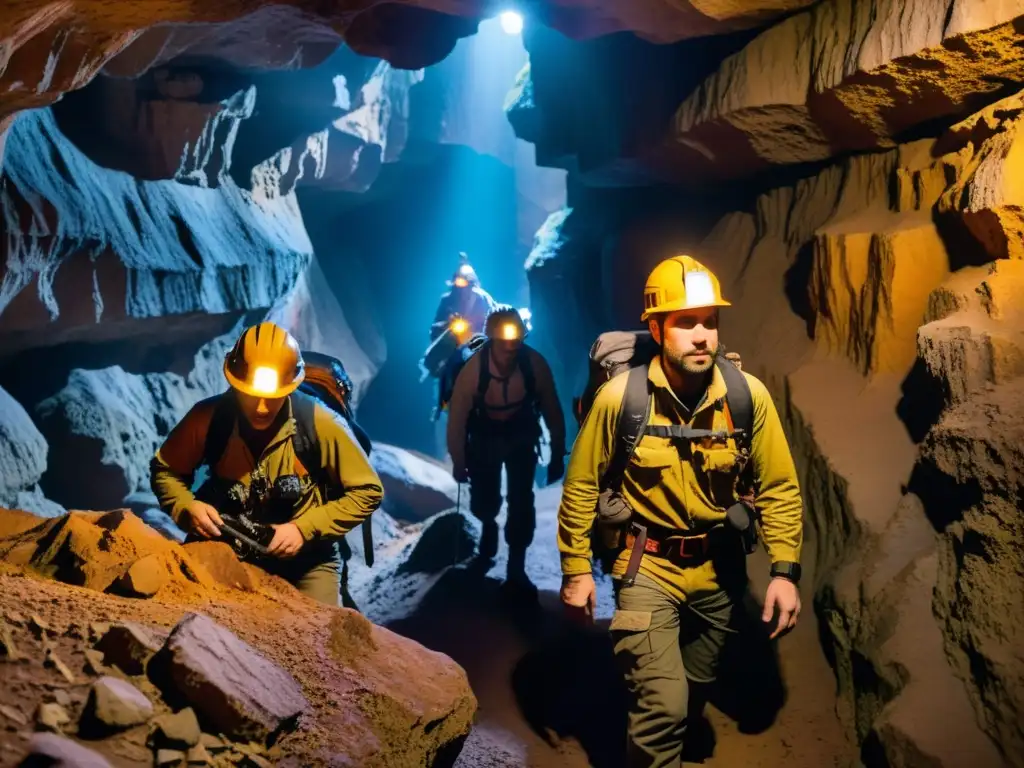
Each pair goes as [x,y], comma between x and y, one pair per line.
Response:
[53,47]
[837,77]
[354,675]
[900,266]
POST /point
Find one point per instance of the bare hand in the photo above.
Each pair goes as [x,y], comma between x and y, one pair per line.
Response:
[203,520]
[287,540]
[781,594]
[579,596]
[461,474]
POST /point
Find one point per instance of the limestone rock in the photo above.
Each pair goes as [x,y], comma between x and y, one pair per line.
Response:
[62,752]
[116,704]
[107,424]
[52,717]
[144,578]
[177,731]
[129,647]
[221,562]
[838,77]
[979,593]
[93,550]
[23,452]
[414,488]
[230,685]
[156,250]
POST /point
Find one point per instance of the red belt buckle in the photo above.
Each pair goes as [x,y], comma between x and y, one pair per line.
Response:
[700,542]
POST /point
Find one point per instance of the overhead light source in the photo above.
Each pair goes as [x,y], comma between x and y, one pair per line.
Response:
[511,22]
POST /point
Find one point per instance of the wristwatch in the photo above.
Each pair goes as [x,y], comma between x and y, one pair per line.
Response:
[786,570]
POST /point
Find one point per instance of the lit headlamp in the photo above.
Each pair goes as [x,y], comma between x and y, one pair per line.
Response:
[265,380]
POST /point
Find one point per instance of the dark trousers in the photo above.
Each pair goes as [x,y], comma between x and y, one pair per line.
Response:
[516,452]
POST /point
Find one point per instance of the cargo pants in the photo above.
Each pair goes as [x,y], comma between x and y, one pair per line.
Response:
[512,446]
[662,645]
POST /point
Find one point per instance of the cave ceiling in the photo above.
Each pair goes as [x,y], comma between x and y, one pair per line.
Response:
[49,48]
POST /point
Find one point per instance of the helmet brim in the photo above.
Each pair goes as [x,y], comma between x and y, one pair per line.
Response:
[680,305]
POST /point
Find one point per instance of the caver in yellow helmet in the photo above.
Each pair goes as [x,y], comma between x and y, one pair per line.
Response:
[265,362]
[681,282]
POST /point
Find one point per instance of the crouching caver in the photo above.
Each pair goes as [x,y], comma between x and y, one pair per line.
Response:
[264,477]
[680,570]
[493,422]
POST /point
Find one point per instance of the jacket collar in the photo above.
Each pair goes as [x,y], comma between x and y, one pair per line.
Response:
[716,389]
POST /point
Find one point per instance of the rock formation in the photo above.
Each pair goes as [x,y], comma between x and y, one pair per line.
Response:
[878,299]
[257,674]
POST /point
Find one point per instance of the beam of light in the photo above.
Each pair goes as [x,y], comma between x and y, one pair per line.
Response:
[511,22]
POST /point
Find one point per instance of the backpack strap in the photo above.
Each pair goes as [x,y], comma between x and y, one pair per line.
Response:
[307,448]
[738,398]
[222,424]
[529,380]
[484,380]
[633,414]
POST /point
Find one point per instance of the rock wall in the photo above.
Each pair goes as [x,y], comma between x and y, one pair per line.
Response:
[841,76]
[879,299]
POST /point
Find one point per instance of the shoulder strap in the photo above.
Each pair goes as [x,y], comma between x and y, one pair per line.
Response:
[633,415]
[738,398]
[222,423]
[485,370]
[307,448]
[305,442]
[526,366]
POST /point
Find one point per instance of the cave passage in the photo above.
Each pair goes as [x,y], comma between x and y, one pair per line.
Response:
[194,200]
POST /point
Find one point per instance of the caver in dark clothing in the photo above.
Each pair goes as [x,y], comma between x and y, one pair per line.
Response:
[494,423]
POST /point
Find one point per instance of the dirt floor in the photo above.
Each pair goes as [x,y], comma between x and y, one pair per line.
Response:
[778,710]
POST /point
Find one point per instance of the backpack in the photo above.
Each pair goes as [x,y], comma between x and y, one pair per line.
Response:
[326,383]
[451,370]
[613,353]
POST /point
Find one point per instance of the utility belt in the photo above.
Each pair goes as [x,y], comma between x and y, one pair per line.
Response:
[617,528]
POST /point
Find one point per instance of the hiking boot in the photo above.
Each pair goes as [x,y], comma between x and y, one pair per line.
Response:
[488,546]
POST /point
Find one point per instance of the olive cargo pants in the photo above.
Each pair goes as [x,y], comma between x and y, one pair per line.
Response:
[661,643]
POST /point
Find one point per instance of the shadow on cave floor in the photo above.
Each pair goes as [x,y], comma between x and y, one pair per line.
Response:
[550,695]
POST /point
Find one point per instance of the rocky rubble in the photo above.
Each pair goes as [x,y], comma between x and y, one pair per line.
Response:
[202,672]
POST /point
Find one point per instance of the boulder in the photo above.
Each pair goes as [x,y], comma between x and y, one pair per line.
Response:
[129,647]
[115,704]
[94,550]
[61,752]
[234,688]
[23,452]
[415,488]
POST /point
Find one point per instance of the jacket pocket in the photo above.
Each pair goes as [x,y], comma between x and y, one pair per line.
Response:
[652,463]
[716,470]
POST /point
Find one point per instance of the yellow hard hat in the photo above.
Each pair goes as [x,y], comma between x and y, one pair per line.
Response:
[681,282]
[265,362]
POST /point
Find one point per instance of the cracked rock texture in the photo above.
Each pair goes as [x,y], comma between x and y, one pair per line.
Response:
[340,692]
[879,298]
[837,77]
[49,48]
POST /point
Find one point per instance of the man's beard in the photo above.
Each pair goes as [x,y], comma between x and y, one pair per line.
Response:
[689,366]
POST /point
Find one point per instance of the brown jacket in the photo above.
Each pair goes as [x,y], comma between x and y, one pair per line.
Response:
[176,461]
[464,395]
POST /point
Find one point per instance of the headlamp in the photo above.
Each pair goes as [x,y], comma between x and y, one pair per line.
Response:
[265,380]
